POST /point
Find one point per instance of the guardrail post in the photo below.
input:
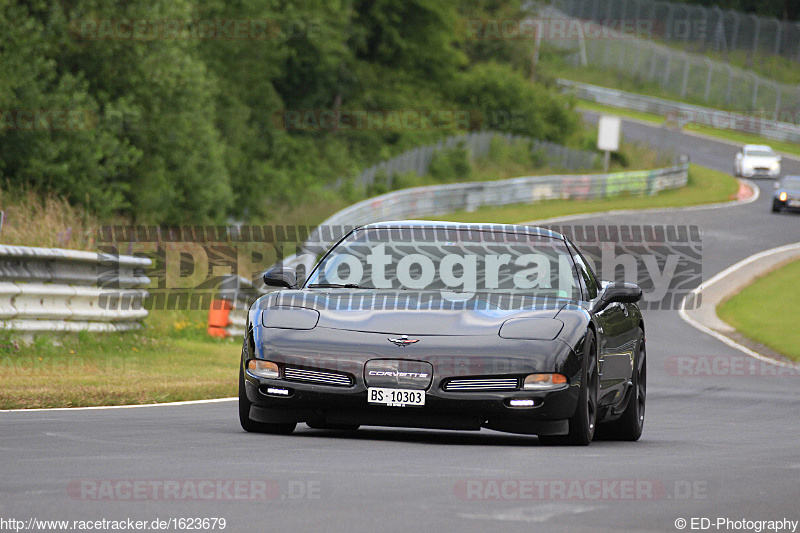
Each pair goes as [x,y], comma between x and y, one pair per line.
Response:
[685,82]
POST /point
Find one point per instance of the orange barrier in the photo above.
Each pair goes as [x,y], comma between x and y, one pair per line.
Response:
[219,318]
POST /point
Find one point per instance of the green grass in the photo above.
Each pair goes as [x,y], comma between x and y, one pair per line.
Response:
[766,310]
[730,135]
[171,359]
[115,369]
[705,186]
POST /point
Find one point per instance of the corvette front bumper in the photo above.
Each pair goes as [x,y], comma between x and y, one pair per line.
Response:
[442,409]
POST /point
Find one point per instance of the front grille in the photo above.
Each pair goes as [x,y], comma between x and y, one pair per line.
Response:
[482,384]
[316,376]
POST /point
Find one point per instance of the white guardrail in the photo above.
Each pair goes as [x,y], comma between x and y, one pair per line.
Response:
[716,118]
[51,289]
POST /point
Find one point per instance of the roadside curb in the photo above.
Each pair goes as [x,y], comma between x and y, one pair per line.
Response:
[699,308]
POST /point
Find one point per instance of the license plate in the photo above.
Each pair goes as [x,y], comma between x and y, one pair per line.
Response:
[794,203]
[396,397]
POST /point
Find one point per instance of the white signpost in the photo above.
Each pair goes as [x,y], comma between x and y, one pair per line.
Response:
[608,132]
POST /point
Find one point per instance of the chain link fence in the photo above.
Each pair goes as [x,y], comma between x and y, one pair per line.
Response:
[477,145]
[697,27]
[682,113]
[689,76]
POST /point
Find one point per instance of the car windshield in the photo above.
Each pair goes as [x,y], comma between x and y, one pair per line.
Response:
[760,153]
[449,259]
[791,183]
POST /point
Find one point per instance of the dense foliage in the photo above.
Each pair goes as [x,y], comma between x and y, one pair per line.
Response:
[179,129]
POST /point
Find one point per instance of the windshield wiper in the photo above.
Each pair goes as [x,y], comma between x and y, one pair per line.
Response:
[336,286]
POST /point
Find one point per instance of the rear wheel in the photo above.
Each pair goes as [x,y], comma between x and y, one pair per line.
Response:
[583,423]
[629,426]
[244,405]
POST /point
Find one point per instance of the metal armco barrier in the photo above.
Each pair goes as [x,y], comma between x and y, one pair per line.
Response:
[50,289]
[716,118]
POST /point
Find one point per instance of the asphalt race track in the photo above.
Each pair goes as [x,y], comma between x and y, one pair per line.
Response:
[713,446]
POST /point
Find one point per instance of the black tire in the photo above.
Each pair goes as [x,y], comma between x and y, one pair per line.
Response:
[583,423]
[244,405]
[775,207]
[629,426]
[341,427]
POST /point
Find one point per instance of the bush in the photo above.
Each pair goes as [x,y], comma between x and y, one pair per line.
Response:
[508,102]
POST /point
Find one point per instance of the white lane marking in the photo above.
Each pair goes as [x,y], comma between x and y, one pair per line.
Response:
[540,513]
[721,275]
[96,407]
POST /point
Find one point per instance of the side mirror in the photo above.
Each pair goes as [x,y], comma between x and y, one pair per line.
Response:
[777,185]
[738,155]
[618,292]
[281,277]
[778,158]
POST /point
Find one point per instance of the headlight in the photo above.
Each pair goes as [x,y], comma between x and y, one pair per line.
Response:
[286,317]
[775,165]
[545,382]
[531,328]
[263,369]
[782,196]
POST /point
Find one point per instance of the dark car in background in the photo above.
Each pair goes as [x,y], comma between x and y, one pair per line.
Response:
[447,326]
[787,194]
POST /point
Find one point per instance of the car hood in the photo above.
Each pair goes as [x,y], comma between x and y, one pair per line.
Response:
[759,159]
[412,312]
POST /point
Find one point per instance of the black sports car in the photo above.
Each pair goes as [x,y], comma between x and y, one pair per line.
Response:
[448,326]
[787,194]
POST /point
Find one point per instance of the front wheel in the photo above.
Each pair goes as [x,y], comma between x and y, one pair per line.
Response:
[247,423]
[629,426]
[776,208]
[583,423]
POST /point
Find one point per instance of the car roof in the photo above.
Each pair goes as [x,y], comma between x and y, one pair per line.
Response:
[763,147]
[489,227]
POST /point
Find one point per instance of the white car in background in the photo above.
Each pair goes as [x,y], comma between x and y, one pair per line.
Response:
[757,161]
